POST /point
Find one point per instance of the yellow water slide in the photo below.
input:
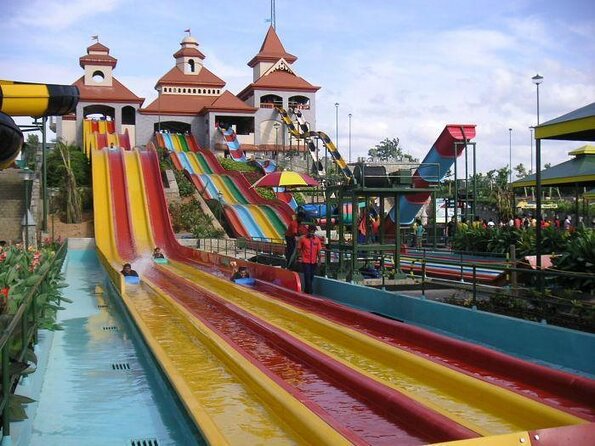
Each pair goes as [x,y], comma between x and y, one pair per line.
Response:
[230,399]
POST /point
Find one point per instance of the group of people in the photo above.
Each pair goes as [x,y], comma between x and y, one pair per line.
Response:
[301,240]
[127,270]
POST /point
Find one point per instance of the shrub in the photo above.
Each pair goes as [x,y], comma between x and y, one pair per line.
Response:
[578,256]
[230,164]
[189,217]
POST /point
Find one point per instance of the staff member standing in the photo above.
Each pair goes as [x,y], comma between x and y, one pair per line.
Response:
[309,248]
[290,235]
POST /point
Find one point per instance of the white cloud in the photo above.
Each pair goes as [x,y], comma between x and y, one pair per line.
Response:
[61,14]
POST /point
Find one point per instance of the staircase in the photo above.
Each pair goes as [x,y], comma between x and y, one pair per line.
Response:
[12,208]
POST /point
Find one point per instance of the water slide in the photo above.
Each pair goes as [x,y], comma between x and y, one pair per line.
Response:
[433,169]
[98,134]
[303,132]
[231,139]
[29,99]
[373,381]
[259,218]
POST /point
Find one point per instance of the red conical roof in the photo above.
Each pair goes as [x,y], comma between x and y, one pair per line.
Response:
[271,50]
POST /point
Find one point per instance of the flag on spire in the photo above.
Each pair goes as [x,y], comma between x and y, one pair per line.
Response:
[96,37]
[187,31]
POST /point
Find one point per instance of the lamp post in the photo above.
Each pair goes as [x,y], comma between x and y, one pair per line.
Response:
[27,176]
[349,115]
[337,125]
[531,130]
[537,79]
[159,106]
[276,125]
[510,156]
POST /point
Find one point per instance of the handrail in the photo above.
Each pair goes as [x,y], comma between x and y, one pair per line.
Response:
[27,334]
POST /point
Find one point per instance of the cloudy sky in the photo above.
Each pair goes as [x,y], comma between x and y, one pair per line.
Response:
[402,68]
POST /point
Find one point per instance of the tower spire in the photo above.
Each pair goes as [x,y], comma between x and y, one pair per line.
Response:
[273,19]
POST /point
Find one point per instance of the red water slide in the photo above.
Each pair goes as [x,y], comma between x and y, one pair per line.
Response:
[164,237]
[122,223]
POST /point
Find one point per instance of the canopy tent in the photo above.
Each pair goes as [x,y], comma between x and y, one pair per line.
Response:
[578,125]
[576,171]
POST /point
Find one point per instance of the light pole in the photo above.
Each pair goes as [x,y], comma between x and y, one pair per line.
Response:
[337,125]
[349,115]
[159,106]
[510,156]
[537,79]
[27,176]
[531,130]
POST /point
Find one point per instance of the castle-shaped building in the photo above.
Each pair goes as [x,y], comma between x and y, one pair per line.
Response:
[193,99]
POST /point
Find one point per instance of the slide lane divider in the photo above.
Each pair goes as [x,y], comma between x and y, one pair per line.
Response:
[567,392]
[447,391]
[295,415]
[351,399]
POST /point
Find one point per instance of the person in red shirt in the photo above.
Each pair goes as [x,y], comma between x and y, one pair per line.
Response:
[309,248]
[290,235]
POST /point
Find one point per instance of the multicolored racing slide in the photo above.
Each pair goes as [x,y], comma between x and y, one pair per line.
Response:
[249,214]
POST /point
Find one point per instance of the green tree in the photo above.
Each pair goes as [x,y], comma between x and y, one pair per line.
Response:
[521,171]
[30,150]
[390,149]
[72,196]
[79,163]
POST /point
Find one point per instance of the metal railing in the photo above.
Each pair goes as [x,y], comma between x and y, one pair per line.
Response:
[241,247]
[22,329]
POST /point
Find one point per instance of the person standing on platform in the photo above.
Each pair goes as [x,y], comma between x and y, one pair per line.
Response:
[290,235]
[309,248]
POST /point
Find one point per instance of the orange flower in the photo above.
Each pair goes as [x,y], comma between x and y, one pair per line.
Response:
[4,292]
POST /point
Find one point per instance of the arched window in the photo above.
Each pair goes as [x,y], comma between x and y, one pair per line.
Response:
[128,115]
[98,77]
[191,63]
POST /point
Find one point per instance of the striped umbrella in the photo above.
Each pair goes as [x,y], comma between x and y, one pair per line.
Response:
[285,179]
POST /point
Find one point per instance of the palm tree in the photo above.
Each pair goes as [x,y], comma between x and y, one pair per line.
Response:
[71,193]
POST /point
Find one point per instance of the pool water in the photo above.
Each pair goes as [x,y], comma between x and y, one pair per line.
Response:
[100,385]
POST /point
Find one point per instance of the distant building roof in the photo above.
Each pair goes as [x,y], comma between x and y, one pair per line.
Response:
[116,93]
[278,80]
[204,78]
[578,125]
[100,57]
[578,170]
[271,50]
[97,47]
[228,102]
[178,104]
